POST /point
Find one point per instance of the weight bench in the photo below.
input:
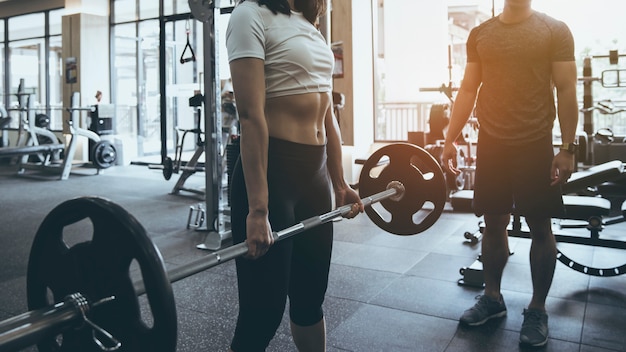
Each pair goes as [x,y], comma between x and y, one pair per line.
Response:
[594,176]
[33,149]
[576,207]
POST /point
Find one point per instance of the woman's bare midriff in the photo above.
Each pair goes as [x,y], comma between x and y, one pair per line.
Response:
[298,118]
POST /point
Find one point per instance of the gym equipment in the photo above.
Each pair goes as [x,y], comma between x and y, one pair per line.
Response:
[612,78]
[32,132]
[97,284]
[437,123]
[103,153]
[209,13]
[607,146]
[448,90]
[184,59]
[427,184]
[177,165]
[590,212]
[174,166]
[5,121]
[453,181]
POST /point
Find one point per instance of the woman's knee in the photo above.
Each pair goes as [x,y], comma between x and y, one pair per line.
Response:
[306,315]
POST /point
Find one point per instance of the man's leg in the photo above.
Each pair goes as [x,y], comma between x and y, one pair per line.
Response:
[542,263]
[542,260]
[495,252]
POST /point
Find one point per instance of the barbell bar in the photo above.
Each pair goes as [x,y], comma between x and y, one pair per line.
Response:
[99,270]
[395,191]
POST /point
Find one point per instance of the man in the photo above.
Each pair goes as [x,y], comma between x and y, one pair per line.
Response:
[514,63]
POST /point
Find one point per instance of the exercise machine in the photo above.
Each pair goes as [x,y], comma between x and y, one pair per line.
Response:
[602,149]
[174,166]
[103,153]
[213,209]
[433,140]
[5,121]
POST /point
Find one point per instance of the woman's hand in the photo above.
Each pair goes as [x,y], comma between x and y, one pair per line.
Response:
[259,235]
[347,195]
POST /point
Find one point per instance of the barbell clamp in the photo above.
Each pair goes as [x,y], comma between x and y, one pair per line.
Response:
[82,305]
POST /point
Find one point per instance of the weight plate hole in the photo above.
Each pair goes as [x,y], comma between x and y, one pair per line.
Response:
[78,232]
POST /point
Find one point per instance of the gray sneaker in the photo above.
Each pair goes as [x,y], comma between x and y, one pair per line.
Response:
[486,308]
[534,329]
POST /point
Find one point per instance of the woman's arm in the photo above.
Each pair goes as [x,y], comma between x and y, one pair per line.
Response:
[249,87]
[344,194]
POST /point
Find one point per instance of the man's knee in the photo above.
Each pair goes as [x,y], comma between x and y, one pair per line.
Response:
[540,226]
[497,223]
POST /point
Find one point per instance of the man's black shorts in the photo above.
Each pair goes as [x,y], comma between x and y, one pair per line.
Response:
[516,179]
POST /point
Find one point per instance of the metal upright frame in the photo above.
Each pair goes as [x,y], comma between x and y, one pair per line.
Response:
[208,12]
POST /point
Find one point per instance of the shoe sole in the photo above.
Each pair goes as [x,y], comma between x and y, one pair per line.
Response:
[481,322]
[528,344]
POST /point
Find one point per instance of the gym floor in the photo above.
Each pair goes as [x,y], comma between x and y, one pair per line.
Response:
[386,292]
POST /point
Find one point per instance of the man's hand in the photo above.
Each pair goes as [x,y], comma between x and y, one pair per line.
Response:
[562,167]
[449,158]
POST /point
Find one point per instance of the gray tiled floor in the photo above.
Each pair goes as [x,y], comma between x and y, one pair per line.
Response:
[386,292]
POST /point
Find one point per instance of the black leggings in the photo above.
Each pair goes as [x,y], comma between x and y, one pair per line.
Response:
[297,267]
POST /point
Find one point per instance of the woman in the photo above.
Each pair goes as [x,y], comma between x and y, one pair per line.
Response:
[281,68]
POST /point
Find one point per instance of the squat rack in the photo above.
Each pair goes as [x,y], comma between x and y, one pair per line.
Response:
[208,12]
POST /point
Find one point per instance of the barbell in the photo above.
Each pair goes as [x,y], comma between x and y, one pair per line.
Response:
[85,297]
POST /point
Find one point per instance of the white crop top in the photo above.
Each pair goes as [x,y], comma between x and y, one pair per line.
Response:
[297,58]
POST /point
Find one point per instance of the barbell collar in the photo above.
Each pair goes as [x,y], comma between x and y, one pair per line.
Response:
[28,328]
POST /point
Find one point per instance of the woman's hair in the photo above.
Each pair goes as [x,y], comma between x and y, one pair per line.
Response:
[311,9]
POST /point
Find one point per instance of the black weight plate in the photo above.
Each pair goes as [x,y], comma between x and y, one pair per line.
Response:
[103,154]
[99,268]
[422,178]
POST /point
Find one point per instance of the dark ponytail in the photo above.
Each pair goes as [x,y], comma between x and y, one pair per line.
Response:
[311,9]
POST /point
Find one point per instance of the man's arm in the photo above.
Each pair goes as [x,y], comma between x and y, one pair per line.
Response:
[564,77]
[461,112]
